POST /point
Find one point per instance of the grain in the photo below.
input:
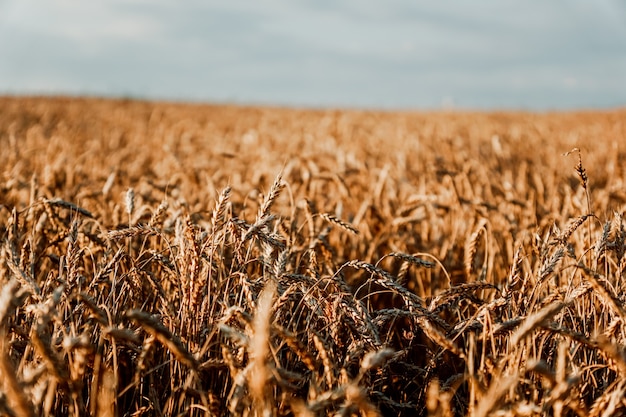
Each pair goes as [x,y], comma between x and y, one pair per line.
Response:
[401,263]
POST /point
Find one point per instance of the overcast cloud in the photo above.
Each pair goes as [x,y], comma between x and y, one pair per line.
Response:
[393,54]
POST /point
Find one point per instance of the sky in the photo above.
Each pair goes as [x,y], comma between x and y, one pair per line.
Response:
[392,54]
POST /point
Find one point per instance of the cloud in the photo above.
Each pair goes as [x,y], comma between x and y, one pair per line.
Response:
[486,53]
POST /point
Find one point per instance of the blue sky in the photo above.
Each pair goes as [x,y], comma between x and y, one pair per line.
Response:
[482,54]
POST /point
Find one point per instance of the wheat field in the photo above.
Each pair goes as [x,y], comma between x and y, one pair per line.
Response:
[162,259]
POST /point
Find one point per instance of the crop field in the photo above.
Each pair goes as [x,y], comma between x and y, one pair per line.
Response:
[161,259]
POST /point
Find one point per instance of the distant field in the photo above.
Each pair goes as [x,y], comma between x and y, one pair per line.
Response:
[165,259]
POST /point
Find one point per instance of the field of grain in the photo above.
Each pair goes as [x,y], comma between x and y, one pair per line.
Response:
[164,259]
